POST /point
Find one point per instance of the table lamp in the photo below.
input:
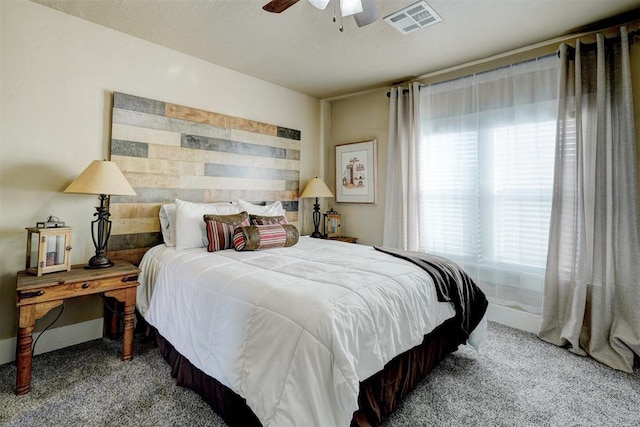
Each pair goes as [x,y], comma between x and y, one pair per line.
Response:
[316,188]
[103,178]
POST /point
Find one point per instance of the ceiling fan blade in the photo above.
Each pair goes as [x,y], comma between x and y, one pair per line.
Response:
[277,6]
[368,15]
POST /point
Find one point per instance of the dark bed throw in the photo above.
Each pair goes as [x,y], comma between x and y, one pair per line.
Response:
[452,285]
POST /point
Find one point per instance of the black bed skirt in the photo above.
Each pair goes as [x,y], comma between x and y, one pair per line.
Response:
[379,395]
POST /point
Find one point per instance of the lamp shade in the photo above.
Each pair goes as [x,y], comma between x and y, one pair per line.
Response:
[101,177]
[316,188]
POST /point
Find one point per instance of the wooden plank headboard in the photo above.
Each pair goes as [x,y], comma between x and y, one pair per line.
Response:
[169,151]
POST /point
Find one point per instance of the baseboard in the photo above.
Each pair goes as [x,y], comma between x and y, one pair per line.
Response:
[515,318]
[56,338]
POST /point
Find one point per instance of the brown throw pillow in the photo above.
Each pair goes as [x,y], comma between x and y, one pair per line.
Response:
[267,220]
[220,229]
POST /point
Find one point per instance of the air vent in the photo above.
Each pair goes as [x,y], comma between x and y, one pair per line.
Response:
[413,17]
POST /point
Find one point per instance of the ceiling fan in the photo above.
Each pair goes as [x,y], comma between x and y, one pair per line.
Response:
[364,11]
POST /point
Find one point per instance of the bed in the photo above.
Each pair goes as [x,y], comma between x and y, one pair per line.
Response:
[288,336]
[319,333]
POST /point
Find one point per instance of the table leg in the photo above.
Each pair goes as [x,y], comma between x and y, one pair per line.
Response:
[128,297]
[127,318]
[27,315]
[24,354]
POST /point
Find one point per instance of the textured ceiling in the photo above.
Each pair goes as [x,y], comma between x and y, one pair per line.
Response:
[303,50]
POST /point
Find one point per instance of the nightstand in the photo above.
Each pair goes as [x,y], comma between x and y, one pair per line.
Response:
[37,295]
[345,239]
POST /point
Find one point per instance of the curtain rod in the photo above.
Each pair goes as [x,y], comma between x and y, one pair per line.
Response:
[404,91]
[634,27]
[524,49]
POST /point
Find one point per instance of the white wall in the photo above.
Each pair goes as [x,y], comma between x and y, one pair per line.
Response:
[57,76]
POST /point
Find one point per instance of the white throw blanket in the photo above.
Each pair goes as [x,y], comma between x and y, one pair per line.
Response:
[292,330]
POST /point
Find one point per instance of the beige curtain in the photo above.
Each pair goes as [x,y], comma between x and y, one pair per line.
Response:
[402,210]
[591,301]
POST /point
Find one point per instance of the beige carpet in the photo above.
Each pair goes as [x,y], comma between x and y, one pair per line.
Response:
[515,380]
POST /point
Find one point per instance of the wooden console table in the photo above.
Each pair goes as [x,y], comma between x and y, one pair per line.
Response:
[37,295]
[345,239]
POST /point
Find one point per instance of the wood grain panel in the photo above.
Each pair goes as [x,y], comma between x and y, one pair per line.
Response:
[252,126]
[261,139]
[195,115]
[149,136]
[168,124]
[170,151]
[154,180]
[206,156]
[135,225]
[161,195]
[134,210]
[153,165]
[136,103]
[132,241]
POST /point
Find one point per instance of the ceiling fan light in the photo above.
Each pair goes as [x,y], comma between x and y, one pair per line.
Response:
[350,7]
[320,4]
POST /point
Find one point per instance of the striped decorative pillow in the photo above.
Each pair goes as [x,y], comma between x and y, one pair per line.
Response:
[220,229]
[256,237]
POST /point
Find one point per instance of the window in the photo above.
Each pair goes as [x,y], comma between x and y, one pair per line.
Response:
[522,191]
[487,157]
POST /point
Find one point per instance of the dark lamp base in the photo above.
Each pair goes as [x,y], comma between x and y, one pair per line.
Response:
[100,232]
[316,220]
[99,261]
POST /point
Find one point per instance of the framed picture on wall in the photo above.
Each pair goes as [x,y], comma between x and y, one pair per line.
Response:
[356,175]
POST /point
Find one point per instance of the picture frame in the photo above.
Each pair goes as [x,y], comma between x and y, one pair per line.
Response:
[356,172]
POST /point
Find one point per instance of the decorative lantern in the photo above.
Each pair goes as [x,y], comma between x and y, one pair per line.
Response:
[48,250]
[332,224]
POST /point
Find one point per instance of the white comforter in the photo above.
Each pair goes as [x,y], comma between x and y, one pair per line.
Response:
[292,330]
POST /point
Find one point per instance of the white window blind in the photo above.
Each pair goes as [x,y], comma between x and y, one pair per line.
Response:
[448,200]
[487,156]
[522,187]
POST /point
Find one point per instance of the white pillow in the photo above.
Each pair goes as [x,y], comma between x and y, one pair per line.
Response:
[273,209]
[190,231]
[168,223]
